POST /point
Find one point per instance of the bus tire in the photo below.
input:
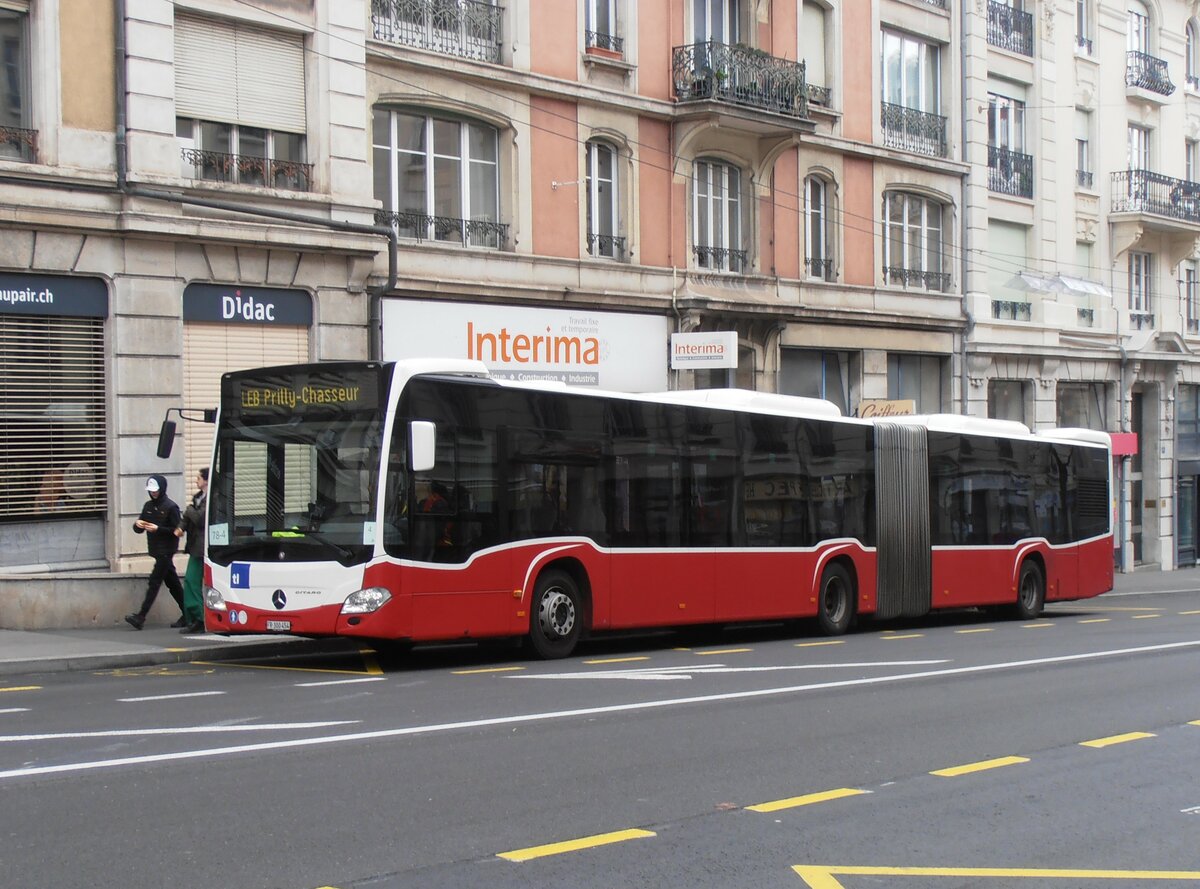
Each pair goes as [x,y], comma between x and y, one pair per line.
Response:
[1031,592]
[556,615]
[835,600]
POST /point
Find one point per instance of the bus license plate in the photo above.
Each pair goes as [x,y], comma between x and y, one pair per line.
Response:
[279,625]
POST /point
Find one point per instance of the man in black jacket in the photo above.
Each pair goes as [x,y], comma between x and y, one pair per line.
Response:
[158,521]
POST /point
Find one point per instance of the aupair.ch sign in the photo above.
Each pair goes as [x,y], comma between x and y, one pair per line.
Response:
[234,304]
[27,294]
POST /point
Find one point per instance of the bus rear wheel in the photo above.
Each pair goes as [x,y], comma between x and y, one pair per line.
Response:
[835,601]
[556,619]
[1031,592]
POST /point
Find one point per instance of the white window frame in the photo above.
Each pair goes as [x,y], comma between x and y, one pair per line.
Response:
[1191,160]
[716,187]
[1191,294]
[1083,26]
[1137,151]
[601,16]
[1137,38]
[593,182]
[1006,123]
[1141,282]
[724,14]
[16,79]
[914,236]
[816,228]
[899,53]
[1191,56]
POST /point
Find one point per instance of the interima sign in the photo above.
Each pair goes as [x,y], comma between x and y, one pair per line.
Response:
[696,351]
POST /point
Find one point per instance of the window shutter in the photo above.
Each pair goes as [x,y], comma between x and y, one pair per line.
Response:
[236,73]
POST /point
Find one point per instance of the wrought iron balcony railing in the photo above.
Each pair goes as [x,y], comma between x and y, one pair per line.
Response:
[1010,310]
[722,259]
[818,95]
[469,232]
[611,246]
[1192,82]
[909,277]
[1083,43]
[1141,191]
[246,170]
[18,143]
[912,130]
[819,268]
[469,29]
[1010,172]
[1193,325]
[1147,72]
[1142,320]
[1087,317]
[940,4]
[739,75]
[1010,28]
[1084,178]
[600,40]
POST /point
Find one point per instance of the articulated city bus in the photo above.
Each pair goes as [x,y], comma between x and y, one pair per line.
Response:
[426,500]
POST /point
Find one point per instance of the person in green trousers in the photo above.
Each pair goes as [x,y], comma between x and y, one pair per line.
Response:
[193,524]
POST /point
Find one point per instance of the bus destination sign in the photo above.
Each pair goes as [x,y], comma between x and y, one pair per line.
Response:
[356,389]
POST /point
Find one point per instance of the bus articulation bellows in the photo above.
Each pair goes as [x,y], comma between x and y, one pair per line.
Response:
[426,500]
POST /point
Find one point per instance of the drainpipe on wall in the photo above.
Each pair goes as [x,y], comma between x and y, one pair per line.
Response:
[964,237]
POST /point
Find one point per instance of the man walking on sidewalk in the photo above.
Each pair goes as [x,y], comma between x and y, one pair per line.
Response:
[158,521]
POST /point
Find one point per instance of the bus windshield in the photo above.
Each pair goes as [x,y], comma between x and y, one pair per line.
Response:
[297,464]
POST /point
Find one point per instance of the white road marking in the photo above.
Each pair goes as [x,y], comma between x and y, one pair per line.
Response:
[687,672]
[179,730]
[191,694]
[522,718]
[340,681]
[15,710]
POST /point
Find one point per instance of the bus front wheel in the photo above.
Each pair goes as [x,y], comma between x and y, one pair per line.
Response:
[556,622]
[835,601]
[1031,592]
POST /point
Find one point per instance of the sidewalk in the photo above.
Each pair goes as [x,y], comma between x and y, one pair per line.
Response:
[46,651]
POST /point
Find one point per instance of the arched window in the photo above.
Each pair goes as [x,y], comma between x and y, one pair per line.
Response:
[818,259]
[717,216]
[438,178]
[603,219]
[1191,57]
[1138,33]
[913,246]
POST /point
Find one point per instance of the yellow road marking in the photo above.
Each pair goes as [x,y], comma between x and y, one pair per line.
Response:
[822,877]
[485,670]
[1144,616]
[176,649]
[617,660]
[371,662]
[21,688]
[1096,620]
[905,636]
[980,630]
[1194,722]
[274,667]
[1120,607]
[600,839]
[955,771]
[826,642]
[1189,612]
[724,651]
[807,800]
[1116,739]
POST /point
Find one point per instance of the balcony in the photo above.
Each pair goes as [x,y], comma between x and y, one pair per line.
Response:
[939,281]
[1084,178]
[1145,72]
[739,75]
[1010,28]
[1010,172]
[606,246]
[242,169]
[722,259]
[1010,310]
[18,144]
[1141,320]
[467,232]
[1141,191]
[469,29]
[912,130]
[606,42]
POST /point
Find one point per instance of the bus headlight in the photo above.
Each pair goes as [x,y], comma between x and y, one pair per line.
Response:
[213,599]
[365,601]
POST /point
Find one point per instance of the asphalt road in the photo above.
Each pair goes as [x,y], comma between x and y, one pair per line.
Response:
[954,752]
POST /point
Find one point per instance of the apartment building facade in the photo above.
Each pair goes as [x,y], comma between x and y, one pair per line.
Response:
[192,187]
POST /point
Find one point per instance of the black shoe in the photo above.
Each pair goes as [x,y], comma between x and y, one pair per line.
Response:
[197,627]
[135,620]
[182,622]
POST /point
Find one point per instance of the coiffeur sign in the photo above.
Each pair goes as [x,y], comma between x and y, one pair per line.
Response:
[579,347]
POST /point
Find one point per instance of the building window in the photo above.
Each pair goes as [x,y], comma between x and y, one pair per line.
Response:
[601,30]
[818,261]
[1010,169]
[1083,26]
[1081,406]
[717,217]
[812,36]
[917,378]
[1191,160]
[1138,148]
[224,152]
[1191,56]
[17,140]
[1083,149]
[1138,30]
[438,179]
[1141,305]
[716,20]
[814,374]
[1006,400]
[911,90]
[602,207]
[1191,295]
[912,241]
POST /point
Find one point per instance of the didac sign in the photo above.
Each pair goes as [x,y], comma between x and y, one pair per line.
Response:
[700,351]
[230,304]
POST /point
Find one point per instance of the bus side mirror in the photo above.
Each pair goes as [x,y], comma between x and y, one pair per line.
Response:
[422,445]
[166,438]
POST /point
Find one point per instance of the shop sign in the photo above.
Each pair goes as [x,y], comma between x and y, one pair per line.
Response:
[698,351]
[579,347]
[25,294]
[870,408]
[232,304]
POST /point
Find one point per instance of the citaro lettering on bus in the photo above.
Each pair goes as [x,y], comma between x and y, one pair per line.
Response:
[246,308]
[531,348]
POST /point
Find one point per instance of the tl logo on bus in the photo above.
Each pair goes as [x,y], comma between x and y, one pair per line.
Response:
[239,575]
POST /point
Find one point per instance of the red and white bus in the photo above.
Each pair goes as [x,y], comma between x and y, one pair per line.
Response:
[426,500]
